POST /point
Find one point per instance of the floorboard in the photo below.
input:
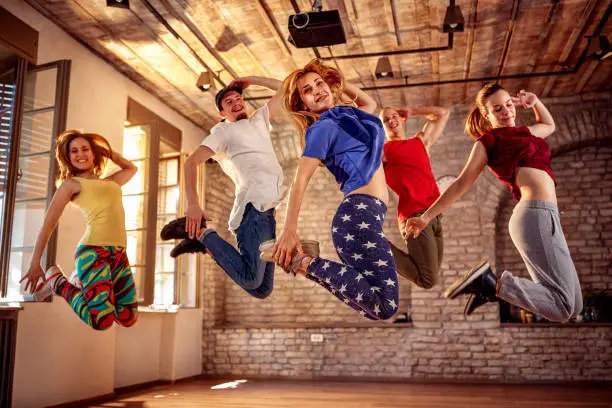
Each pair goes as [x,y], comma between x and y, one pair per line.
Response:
[306,394]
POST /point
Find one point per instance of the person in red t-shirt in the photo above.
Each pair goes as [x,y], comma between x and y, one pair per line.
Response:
[520,158]
[408,174]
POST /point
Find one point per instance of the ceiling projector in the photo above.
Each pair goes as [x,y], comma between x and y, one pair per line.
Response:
[316,29]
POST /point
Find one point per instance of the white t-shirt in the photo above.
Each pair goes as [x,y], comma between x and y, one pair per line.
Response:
[244,151]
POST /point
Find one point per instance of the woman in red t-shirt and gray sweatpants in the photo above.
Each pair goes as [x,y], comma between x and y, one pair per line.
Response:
[520,158]
[408,174]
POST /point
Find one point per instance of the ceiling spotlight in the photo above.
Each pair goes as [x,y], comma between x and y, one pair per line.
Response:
[599,48]
[118,3]
[206,81]
[453,20]
[383,68]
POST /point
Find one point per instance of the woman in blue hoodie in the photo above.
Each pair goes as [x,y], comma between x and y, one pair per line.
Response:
[348,140]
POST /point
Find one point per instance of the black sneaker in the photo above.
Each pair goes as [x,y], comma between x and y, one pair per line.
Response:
[480,279]
[188,246]
[476,300]
[176,229]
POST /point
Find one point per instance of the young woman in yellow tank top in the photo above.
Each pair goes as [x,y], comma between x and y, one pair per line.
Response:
[103,291]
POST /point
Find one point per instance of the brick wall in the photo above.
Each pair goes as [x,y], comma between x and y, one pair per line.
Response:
[294,299]
[498,354]
[442,344]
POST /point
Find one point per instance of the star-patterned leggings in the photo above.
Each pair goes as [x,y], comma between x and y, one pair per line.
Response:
[366,280]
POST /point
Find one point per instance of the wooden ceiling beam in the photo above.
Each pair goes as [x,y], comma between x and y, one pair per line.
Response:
[184,18]
[116,51]
[543,40]
[584,78]
[270,22]
[467,62]
[186,83]
[396,24]
[434,15]
[509,32]
[181,16]
[355,45]
[152,29]
[571,43]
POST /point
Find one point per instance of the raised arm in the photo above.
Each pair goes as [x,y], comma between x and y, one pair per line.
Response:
[128,169]
[545,124]
[288,240]
[474,166]
[60,199]
[270,83]
[194,213]
[364,101]
[437,118]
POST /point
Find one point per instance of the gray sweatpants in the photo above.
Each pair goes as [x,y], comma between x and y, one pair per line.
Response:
[554,291]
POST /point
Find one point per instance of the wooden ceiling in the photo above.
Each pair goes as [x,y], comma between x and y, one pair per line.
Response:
[164,45]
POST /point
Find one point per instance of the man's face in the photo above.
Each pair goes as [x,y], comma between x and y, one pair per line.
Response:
[233,107]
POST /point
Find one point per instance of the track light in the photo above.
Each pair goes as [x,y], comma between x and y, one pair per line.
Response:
[453,20]
[118,3]
[206,82]
[599,48]
[383,68]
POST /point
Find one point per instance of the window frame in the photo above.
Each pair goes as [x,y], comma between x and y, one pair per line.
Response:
[60,108]
[159,130]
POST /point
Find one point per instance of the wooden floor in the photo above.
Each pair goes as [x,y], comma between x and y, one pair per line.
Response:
[305,394]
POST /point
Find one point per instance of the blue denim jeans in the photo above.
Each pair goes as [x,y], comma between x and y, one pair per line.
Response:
[243,265]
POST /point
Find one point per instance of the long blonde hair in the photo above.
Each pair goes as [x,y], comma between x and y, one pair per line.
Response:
[99,146]
[477,122]
[291,101]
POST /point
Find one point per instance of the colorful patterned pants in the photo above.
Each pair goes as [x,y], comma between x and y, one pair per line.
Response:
[366,280]
[108,293]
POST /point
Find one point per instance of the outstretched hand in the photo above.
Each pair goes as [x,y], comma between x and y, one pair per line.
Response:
[525,99]
[33,276]
[414,226]
[286,246]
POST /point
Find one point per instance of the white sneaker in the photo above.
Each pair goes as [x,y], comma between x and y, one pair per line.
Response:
[42,293]
[75,281]
[54,276]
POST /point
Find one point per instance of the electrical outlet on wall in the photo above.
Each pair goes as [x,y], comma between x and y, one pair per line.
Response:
[316,338]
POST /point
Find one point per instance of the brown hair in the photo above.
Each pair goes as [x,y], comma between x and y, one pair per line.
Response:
[291,101]
[99,146]
[477,123]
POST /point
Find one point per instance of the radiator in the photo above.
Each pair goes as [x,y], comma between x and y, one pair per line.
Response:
[8,337]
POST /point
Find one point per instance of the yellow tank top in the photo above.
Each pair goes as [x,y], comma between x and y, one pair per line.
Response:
[101,203]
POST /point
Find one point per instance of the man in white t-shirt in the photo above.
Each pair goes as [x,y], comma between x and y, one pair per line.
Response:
[242,146]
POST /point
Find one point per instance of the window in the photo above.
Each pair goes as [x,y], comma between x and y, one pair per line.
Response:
[152,199]
[167,210]
[32,114]
[7,101]
[35,176]
[135,200]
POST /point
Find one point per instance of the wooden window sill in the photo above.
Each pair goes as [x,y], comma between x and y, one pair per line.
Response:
[338,325]
[566,325]
[10,306]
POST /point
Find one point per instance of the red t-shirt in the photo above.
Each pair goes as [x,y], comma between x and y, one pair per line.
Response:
[408,173]
[509,148]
